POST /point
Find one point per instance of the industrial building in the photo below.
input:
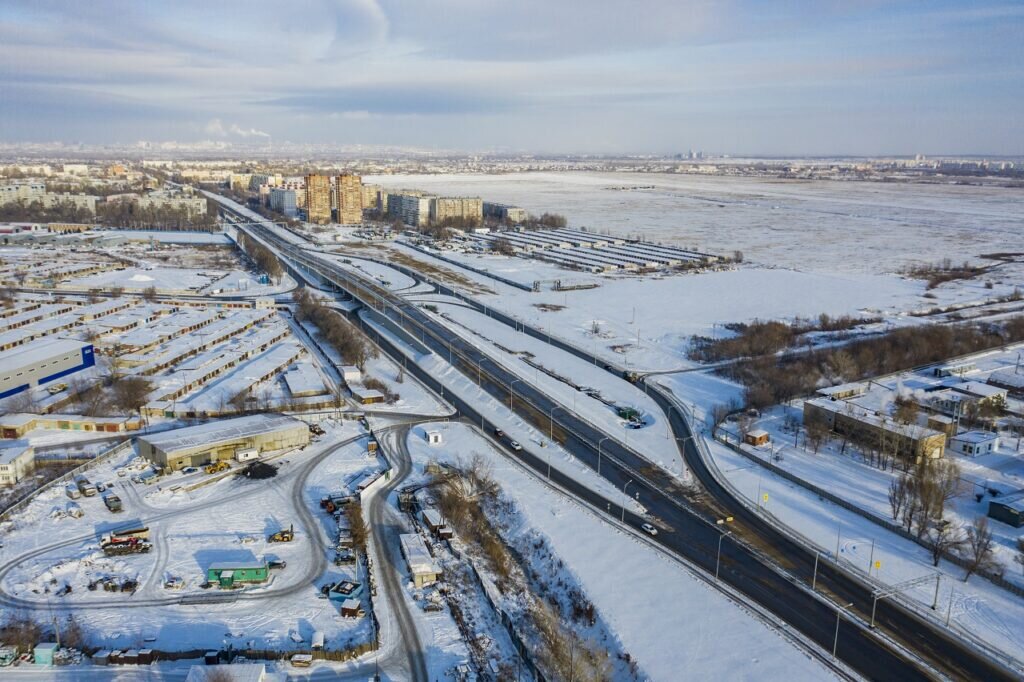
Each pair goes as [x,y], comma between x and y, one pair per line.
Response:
[42,362]
[1008,509]
[17,460]
[974,443]
[19,424]
[221,440]
[422,566]
[874,428]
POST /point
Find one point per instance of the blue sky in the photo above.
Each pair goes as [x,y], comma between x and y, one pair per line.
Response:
[647,76]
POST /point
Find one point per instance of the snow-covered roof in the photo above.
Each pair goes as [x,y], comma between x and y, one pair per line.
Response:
[236,672]
[1014,501]
[856,387]
[219,431]
[757,433]
[37,351]
[1007,377]
[975,437]
[236,565]
[416,554]
[11,450]
[304,379]
[979,389]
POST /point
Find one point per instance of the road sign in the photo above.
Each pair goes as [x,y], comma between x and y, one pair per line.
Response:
[766,497]
[878,564]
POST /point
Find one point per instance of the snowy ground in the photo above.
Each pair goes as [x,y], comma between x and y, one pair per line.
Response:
[669,620]
[551,370]
[227,520]
[853,227]
[169,279]
[165,236]
[978,607]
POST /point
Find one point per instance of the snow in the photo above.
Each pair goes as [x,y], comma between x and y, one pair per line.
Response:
[164,279]
[165,236]
[667,619]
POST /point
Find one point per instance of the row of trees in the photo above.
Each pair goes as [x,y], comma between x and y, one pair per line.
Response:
[131,214]
[264,258]
[338,332]
[772,380]
[35,212]
[767,337]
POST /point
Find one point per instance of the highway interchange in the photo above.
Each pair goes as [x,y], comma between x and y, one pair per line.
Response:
[763,563]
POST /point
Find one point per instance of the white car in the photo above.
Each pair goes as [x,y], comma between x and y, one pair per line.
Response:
[515,445]
[649,529]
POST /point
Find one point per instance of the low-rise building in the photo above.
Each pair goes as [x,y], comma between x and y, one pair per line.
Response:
[504,212]
[422,566]
[1012,380]
[17,460]
[229,574]
[873,428]
[1008,509]
[974,443]
[221,440]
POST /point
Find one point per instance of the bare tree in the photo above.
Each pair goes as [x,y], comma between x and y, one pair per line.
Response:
[979,547]
[131,392]
[817,430]
[945,538]
[899,495]
[149,294]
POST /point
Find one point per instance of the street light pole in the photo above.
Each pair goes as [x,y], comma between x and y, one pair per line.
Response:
[599,453]
[839,612]
[623,519]
[513,383]
[551,422]
[718,557]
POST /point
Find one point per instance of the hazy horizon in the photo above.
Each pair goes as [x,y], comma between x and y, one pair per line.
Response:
[802,79]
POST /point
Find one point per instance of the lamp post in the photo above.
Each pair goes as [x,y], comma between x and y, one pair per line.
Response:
[478,363]
[718,556]
[599,453]
[839,612]
[623,519]
[511,384]
[551,422]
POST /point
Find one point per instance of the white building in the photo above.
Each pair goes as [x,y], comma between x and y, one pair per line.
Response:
[422,566]
[17,459]
[974,443]
[351,374]
[41,362]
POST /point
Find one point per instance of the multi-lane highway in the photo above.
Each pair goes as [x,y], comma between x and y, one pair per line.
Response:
[765,565]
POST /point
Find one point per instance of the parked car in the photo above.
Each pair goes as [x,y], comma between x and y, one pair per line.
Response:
[649,529]
[190,470]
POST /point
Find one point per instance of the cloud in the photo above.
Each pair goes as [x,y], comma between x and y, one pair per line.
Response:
[217,128]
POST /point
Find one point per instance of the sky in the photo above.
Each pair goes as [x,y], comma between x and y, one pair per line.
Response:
[825,77]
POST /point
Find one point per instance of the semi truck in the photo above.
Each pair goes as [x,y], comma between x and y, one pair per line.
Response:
[130,541]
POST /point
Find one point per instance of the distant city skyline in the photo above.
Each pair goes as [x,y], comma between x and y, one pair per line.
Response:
[796,78]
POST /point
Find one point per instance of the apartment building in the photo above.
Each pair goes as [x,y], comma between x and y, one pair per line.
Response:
[469,209]
[350,198]
[318,199]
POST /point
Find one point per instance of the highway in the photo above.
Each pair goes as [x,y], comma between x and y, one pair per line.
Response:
[764,565]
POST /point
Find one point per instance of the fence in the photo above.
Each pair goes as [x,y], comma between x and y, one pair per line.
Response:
[855,572]
[995,578]
[479,271]
[120,448]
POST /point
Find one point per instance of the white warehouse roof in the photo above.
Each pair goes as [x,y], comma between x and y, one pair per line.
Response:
[220,431]
[37,351]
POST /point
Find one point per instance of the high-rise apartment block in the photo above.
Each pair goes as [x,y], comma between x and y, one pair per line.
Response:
[350,199]
[318,199]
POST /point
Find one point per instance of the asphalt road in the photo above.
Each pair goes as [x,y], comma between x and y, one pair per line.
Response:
[693,536]
[385,528]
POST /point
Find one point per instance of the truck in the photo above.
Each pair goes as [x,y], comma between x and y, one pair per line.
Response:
[89,490]
[115,545]
[81,482]
[57,388]
[72,491]
[113,502]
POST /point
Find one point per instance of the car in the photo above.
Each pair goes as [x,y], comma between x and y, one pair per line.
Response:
[514,444]
[649,529]
[190,470]
[101,487]
[277,564]
[498,433]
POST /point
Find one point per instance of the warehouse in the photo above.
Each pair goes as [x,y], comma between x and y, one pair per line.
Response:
[1009,509]
[19,424]
[41,362]
[221,440]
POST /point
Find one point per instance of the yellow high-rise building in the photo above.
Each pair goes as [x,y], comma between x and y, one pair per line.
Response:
[350,199]
[318,199]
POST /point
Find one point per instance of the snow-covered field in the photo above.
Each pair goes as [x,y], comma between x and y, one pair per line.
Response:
[675,625]
[170,279]
[819,225]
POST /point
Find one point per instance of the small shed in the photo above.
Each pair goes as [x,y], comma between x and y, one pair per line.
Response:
[211,658]
[757,437]
[231,574]
[1008,509]
[344,590]
[366,396]
[101,657]
[43,653]
[130,657]
[973,443]
[318,641]
[351,374]
[351,608]
[146,656]
[433,437]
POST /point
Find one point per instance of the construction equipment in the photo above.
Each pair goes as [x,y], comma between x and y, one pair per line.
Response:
[217,467]
[283,535]
[113,545]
